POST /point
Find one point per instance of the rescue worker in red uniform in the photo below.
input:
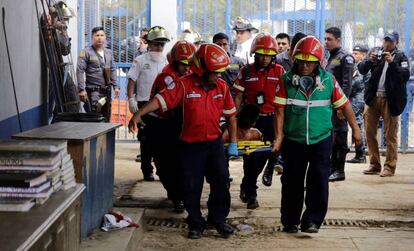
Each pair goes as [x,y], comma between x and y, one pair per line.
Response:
[166,127]
[305,100]
[204,98]
[257,85]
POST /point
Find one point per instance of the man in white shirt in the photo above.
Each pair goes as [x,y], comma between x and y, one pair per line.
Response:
[141,76]
[244,38]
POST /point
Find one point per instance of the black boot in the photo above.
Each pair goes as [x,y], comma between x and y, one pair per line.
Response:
[338,170]
[225,230]
[337,175]
[149,177]
[267,176]
[252,203]
[359,157]
[178,206]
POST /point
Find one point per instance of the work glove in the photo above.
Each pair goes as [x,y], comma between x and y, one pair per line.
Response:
[133,104]
[232,149]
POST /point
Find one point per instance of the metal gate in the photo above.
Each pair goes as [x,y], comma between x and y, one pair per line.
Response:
[362,21]
[122,21]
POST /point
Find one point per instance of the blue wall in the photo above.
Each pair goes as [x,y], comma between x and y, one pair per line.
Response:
[28,67]
[31,118]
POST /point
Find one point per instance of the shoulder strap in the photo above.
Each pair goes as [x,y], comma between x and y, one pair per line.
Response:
[98,56]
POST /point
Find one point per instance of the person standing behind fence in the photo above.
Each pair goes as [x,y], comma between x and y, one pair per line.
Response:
[385,97]
[244,38]
[285,59]
[141,76]
[356,98]
[341,65]
[143,43]
[236,63]
[96,75]
[283,42]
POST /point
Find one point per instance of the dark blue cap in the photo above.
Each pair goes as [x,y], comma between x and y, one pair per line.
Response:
[393,36]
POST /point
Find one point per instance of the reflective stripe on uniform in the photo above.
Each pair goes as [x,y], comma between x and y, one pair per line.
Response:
[251,79]
[310,103]
[162,102]
[340,102]
[279,100]
[227,112]
[239,87]
[272,78]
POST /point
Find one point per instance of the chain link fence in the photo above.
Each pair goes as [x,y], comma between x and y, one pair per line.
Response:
[122,21]
[361,22]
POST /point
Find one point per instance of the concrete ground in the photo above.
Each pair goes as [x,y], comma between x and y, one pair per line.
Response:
[365,212]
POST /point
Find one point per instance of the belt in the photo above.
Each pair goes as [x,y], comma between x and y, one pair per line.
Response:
[266,114]
[97,88]
[381,94]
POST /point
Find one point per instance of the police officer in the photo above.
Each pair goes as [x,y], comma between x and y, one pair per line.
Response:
[244,38]
[167,125]
[96,75]
[236,63]
[204,98]
[257,85]
[341,65]
[303,129]
[356,98]
[141,76]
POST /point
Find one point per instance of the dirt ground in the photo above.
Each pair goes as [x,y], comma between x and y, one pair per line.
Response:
[365,212]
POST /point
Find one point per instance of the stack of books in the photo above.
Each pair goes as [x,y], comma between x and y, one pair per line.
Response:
[31,170]
[67,173]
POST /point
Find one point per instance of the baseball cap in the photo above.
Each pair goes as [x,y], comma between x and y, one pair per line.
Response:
[361,48]
[394,36]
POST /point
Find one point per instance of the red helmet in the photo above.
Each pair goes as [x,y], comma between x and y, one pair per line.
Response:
[309,48]
[264,44]
[209,57]
[182,51]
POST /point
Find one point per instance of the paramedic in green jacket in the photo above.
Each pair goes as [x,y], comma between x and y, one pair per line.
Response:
[304,103]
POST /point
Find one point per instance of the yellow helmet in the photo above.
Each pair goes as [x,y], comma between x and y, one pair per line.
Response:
[306,57]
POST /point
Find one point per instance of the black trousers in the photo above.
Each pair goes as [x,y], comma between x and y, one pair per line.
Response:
[253,164]
[199,160]
[311,168]
[339,150]
[163,142]
[93,97]
[361,148]
[144,139]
